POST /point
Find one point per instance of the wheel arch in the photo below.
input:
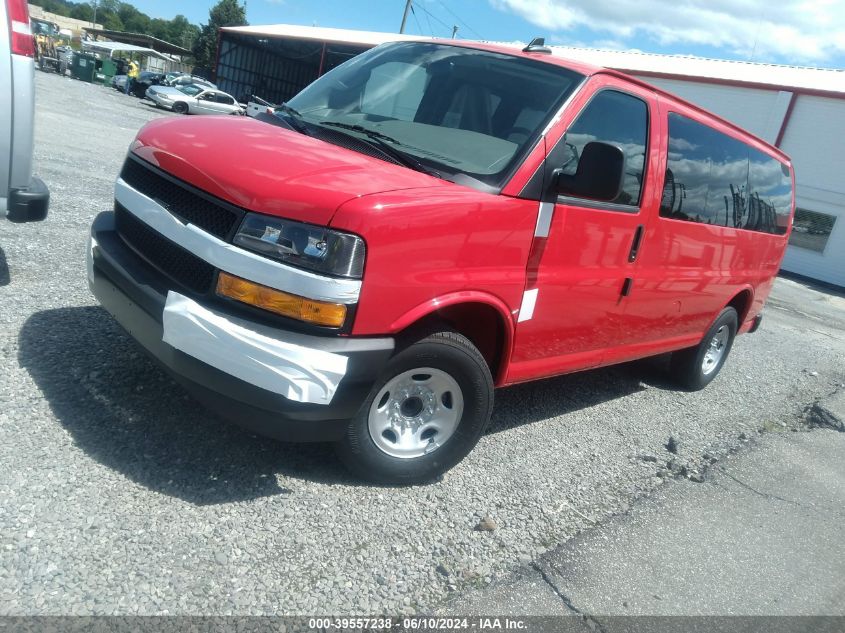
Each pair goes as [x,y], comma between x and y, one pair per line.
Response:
[483,318]
[742,302]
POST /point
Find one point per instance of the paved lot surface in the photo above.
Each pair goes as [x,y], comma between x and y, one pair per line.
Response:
[118,494]
[762,535]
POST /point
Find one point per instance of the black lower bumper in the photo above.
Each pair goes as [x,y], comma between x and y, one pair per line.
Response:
[30,204]
[135,293]
[756,325]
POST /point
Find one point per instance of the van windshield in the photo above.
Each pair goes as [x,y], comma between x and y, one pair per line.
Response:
[456,110]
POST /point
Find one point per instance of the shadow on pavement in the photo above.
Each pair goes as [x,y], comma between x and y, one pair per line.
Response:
[551,397]
[124,411]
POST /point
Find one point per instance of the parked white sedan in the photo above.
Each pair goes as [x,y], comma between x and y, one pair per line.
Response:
[194,99]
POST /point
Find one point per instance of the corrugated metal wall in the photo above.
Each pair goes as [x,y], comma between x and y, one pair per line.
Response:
[274,69]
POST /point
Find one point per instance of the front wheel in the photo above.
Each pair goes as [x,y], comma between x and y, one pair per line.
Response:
[180,107]
[424,415]
[696,367]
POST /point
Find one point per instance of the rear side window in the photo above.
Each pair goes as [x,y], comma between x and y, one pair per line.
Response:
[619,119]
[222,98]
[715,179]
[769,195]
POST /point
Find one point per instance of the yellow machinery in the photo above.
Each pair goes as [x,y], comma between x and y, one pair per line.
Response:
[46,36]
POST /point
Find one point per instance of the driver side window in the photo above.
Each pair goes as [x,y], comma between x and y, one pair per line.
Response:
[619,119]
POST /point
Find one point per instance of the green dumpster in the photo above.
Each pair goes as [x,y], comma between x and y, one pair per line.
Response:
[106,71]
[83,66]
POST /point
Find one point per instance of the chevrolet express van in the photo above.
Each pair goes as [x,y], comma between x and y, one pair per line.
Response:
[426,223]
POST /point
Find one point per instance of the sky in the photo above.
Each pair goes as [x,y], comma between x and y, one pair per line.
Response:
[799,32]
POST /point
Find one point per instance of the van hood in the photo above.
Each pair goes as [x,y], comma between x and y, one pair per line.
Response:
[269,169]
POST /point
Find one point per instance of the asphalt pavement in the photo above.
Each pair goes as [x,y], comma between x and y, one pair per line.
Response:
[760,536]
[121,495]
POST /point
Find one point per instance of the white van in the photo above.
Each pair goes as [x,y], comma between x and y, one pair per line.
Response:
[22,197]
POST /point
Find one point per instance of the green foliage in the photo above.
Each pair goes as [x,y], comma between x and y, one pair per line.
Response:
[123,16]
[82,12]
[224,13]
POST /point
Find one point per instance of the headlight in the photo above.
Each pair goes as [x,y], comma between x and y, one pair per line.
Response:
[313,247]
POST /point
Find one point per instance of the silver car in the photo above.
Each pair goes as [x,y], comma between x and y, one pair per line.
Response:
[194,99]
[185,79]
[22,197]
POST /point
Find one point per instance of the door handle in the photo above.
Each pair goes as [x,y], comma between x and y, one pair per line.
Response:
[635,245]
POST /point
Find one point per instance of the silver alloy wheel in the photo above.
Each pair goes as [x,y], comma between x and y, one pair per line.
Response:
[415,412]
[716,350]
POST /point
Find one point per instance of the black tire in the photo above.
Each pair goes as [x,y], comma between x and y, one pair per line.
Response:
[446,352]
[688,365]
[180,107]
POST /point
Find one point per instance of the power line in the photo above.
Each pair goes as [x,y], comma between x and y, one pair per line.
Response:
[435,18]
[458,18]
[430,29]
[417,20]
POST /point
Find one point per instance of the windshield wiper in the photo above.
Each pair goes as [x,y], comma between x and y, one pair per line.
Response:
[386,144]
[294,118]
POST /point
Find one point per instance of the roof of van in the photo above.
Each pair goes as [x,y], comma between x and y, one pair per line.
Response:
[746,73]
[558,57]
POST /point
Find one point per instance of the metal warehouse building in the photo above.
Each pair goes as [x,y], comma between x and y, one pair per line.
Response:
[801,110]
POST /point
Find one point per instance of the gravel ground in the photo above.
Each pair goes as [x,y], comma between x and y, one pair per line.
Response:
[120,495]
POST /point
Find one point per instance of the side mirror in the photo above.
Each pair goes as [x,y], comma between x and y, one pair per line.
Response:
[599,176]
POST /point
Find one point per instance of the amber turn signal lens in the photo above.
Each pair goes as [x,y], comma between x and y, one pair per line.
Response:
[308,310]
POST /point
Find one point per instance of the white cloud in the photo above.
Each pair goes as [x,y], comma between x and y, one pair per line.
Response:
[798,31]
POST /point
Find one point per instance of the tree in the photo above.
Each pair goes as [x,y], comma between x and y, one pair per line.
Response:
[116,15]
[82,12]
[159,28]
[56,6]
[182,33]
[224,13]
[110,21]
[133,20]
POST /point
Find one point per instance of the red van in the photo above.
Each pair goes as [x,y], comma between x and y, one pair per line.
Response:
[430,221]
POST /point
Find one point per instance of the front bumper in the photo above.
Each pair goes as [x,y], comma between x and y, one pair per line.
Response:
[278,383]
[158,100]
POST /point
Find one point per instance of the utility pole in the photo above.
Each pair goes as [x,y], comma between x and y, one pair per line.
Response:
[94,23]
[405,15]
[454,31]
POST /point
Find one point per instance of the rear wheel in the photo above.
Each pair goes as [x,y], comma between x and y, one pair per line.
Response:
[180,107]
[696,367]
[424,415]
